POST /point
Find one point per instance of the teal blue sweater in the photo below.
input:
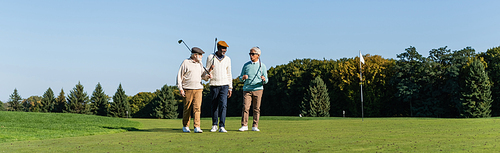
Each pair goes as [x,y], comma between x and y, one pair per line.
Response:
[254,82]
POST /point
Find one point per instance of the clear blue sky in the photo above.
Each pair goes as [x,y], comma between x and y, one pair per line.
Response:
[59,43]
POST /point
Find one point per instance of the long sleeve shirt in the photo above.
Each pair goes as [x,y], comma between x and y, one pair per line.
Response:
[221,74]
[190,75]
[254,70]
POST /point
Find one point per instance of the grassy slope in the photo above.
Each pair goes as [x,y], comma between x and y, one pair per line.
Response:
[19,126]
[289,134]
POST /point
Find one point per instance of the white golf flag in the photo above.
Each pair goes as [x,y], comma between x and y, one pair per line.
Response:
[361,59]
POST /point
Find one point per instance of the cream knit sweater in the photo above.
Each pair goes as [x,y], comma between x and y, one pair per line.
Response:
[190,75]
[221,74]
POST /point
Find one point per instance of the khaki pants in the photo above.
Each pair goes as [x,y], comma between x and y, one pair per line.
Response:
[192,102]
[251,98]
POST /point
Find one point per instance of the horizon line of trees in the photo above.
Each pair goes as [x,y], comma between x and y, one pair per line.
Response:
[460,83]
[161,104]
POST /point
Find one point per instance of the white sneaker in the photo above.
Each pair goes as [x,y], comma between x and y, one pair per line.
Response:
[255,129]
[197,130]
[214,128]
[185,129]
[244,128]
[222,129]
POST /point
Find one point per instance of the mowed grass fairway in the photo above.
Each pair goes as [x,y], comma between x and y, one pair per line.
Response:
[287,134]
[19,126]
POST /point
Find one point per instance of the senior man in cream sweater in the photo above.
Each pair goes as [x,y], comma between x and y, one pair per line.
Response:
[221,85]
[191,88]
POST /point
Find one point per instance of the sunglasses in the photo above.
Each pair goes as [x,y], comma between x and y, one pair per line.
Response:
[251,54]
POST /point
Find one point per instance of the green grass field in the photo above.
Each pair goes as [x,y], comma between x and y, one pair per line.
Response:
[286,134]
[19,126]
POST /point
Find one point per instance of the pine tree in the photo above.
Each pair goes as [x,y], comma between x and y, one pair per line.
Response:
[120,106]
[48,101]
[60,103]
[1,106]
[316,102]
[476,93]
[78,101]
[99,101]
[165,105]
[15,102]
[492,57]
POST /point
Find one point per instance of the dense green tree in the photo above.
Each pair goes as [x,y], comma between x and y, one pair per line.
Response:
[140,104]
[48,101]
[316,101]
[427,103]
[433,97]
[60,102]
[431,85]
[15,102]
[453,79]
[2,108]
[476,93]
[165,105]
[120,106]
[99,101]
[287,85]
[32,104]
[439,63]
[492,58]
[407,79]
[451,91]
[78,101]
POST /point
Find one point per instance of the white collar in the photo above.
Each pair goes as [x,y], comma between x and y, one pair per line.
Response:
[255,62]
[192,60]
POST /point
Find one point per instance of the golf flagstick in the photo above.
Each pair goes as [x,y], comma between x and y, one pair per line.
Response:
[361,60]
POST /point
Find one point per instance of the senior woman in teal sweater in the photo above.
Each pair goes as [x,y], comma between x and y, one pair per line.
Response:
[254,76]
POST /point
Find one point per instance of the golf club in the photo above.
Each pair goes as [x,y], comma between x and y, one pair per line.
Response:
[182,41]
[215,45]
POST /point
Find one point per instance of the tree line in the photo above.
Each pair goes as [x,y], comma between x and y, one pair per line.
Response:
[459,83]
[161,104]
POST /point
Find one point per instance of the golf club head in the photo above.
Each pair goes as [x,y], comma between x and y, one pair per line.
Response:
[180,41]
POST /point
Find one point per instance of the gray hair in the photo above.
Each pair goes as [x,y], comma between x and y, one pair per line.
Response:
[192,55]
[256,49]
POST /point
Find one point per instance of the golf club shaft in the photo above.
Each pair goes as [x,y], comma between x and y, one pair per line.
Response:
[215,45]
[190,51]
[186,45]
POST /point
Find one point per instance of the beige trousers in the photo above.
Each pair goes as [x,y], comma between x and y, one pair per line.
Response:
[251,98]
[192,102]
